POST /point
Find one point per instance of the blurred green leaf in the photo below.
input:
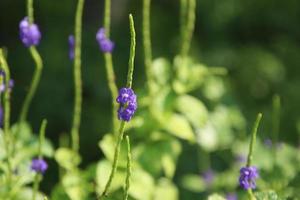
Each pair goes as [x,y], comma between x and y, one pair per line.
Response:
[269,195]
[178,126]
[165,189]
[74,185]
[193,182]
[216,197]
[67,158]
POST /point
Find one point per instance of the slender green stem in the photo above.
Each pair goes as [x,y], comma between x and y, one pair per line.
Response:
[276,119]
[183,18]
[107,8]
[36,185]
[189,28]
[128,174]
[30,11]
[147,43]
[116,158]
[34,83]
[132,53]
[253,139]
[109,67]
[251,147]
[77,77]
[113,88]
[42,137]
[7,138]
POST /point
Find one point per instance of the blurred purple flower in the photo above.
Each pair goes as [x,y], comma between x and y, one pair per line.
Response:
[268,142]
[231,196]
[2,84]
[240,158]
[208,176]
[1,116]
[128,104]
[105,44]
[248,175]
[71,40]
[29,33]
[39,165]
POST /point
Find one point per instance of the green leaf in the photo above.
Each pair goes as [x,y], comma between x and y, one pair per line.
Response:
[67,158]
[193,109]
[161,69]
[165,189]
[268,195]
[179,126]
[74,185]
[193,182]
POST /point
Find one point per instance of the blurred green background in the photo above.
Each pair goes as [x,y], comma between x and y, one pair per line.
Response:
[257,41]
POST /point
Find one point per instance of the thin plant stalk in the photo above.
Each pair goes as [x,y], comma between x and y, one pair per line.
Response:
[77,78]
[38,177]
[109,67]
[7,138]
[275,122]
[183,18]
[38,69]
[128,173]
[147,44]
[123,123]
[188,29]
[251,147]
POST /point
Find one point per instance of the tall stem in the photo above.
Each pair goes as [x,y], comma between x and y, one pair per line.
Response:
[34,83]
[275,123]
[77,78]
[147,43]
[128,174]
[251,147]
[30,11]
[7,138]
[109,67]
[123,123]
[183,18]
[188,29]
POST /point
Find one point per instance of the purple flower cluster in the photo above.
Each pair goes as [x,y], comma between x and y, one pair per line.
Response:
[1,116]
[39,165]
[208,176]
[105,44]
[231,196]
[71,40]
[247,177]
[29,33]
[128,104]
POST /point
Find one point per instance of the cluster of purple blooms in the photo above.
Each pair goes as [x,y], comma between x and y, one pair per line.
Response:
[29,33]
[105,44]
[248,175]
[208,176]
[71,47]
[128,104]
[39,165]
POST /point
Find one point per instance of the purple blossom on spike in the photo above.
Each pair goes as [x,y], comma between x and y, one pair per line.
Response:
[1,116]
[105,44]
[2,84]
[39,165]
[71,40]
[29,33]
[128,104]
[248,175]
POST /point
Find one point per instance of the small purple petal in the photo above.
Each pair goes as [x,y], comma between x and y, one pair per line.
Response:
[105,44]
[39,165]
[30,34]
[128,104]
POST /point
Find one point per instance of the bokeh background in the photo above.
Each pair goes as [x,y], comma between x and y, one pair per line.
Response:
[258,42]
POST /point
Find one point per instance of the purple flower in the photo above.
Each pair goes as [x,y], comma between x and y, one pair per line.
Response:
[240,158]
[29,33]
[128,104]
[2,84]
[105,44]
[1,116]
[208,176]
[231,196]
[71,46]
[39,165]
[247,177]
[268,142]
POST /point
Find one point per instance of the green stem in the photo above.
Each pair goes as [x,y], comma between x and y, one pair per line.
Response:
[113,88]
[189,28]
[109,67]
[42,137]
[128,174]
[7,138]
[77,78]
[34,83]
[183,18]
[30,11]
[251,147]
[147,43]
[132,53]
[275,122]
[116,158]
[36,185]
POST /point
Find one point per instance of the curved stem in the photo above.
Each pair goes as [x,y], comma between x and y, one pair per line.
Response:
[188,30]
[147,43]
[34,83]
[42,137]
[7,138]
[77,78]
[132,53]
[30,11]
[36,185]
[128,174]
[115,161]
